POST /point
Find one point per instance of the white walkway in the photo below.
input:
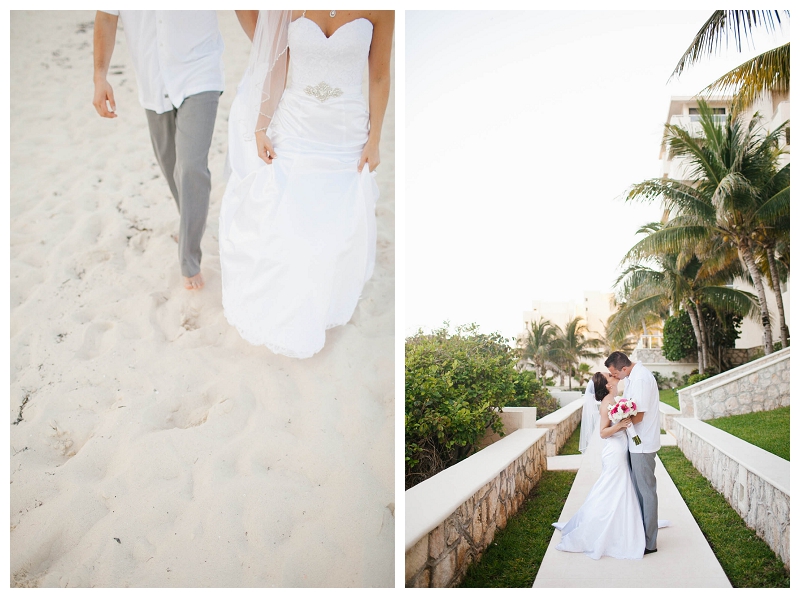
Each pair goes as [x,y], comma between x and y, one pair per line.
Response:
[684,558]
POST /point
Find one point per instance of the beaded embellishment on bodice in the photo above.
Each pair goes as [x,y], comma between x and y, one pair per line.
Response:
[320,66]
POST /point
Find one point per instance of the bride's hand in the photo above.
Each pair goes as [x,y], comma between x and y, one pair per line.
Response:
[264,145]
[370,155]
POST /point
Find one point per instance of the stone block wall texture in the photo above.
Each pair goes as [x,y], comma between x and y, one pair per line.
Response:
[441,558]
[666,414]
[737,357]
[656,356]
[559,432]
[763,507]
[760,385]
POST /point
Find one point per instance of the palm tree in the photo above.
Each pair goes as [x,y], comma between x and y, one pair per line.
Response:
[539,346]
[772,239]
[574,344]
[584,373]
[766,72]
[735,189]
[622,340]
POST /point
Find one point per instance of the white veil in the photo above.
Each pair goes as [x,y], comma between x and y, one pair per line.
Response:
[265,77]
[589,418]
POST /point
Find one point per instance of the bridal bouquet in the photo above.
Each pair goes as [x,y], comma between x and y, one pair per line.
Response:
[619,411]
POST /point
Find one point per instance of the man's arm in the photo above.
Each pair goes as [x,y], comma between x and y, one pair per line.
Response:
[105,35]
[636,394]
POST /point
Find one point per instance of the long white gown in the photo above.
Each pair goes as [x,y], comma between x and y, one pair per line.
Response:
[297,237]
[609,523]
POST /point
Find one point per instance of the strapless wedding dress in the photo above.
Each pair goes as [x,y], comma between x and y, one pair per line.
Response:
[297,237]
[609,523]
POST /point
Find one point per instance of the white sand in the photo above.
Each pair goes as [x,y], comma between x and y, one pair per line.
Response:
[155,446]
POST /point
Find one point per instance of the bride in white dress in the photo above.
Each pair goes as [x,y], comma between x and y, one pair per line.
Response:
[297,222]
[609,523]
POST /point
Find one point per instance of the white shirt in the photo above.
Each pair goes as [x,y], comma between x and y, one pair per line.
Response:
[175,54]
[641,387]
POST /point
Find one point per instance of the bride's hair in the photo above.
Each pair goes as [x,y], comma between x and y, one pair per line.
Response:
[600,386]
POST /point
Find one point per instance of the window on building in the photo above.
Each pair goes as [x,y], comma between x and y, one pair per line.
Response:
[719,114]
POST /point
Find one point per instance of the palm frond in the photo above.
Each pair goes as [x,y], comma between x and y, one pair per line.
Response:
[726,299]
[766,72]
[722,25]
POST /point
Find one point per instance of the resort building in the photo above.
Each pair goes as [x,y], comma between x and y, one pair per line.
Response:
[774,110]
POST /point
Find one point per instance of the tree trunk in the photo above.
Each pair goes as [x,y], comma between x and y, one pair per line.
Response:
[702,324]
[776,287]
[697,336]
[747,257]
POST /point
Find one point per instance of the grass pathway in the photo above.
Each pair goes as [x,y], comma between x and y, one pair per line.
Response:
[746,559]
[514,558]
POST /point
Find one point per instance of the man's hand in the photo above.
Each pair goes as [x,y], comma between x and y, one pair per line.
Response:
[104,99]
[105,32]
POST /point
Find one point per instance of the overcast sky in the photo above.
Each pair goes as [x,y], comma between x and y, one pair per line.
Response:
[523,130]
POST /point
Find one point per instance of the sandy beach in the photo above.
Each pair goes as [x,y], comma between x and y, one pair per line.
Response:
[150,445]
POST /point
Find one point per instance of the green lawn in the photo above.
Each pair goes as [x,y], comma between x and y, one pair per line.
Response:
[571,446]
[768,430]
[746,559]
[514,558]
[670,397]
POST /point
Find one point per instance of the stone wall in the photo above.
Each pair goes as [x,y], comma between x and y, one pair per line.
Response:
[513,418]
[560,425]
[440,558]
[760,385]
[653,356]
[666,414]
[753,481]
[737,357]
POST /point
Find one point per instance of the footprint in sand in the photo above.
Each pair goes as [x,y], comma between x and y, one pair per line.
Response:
[139,241]
[172,317]
[191,411]
[189,318]
[88,261]
[61,442]
[93,340]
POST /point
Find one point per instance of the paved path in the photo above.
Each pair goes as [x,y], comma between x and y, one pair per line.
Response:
[684,558]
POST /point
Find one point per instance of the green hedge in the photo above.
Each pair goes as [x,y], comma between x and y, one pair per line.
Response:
[456,385]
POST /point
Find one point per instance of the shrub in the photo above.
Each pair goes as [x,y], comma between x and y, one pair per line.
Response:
[679,339]
[695,378]
[661,381]
[456,385]
[529,391]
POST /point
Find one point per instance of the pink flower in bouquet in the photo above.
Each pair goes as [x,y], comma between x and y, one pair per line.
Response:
[619,411]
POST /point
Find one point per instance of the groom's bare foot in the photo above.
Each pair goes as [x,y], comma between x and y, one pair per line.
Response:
[193,283]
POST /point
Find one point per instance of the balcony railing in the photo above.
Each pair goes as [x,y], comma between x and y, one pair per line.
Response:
[650,341]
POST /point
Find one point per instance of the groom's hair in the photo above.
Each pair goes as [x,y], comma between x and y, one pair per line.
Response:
[600,386]
[619,360]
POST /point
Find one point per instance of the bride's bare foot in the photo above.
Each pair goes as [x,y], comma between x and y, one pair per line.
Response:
[194,283]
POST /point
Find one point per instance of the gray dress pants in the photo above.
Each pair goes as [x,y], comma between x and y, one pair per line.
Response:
[643,475]
[181,140]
